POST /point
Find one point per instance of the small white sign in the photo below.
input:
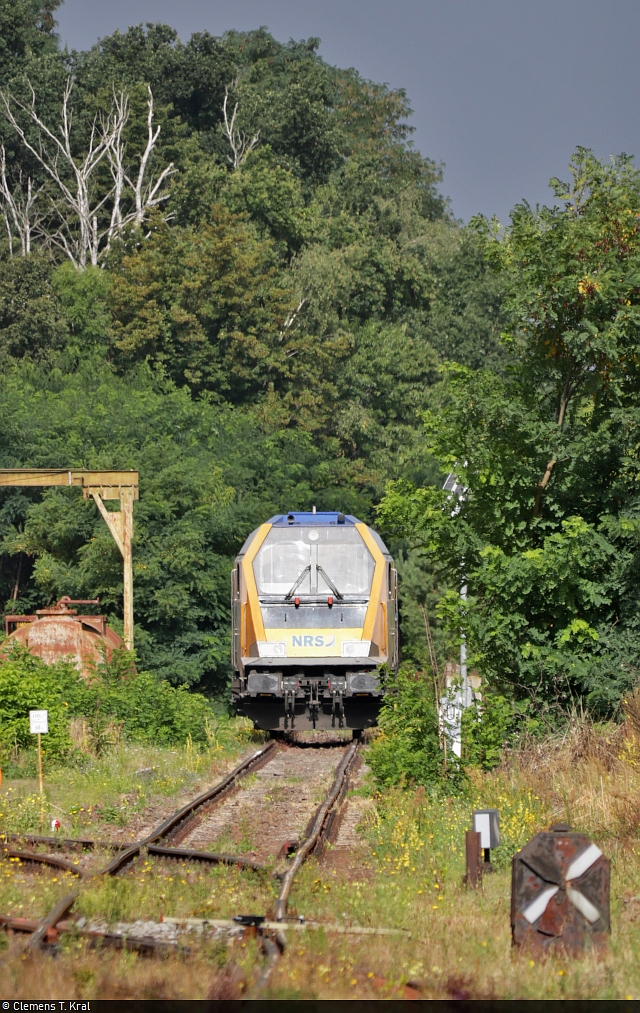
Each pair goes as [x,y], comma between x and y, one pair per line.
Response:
[482,826]
[38,722]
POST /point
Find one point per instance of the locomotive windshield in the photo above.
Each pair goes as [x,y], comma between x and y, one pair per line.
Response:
[309,561]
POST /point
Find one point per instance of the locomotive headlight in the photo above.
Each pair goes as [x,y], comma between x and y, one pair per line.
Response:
[269,650]
[356,648]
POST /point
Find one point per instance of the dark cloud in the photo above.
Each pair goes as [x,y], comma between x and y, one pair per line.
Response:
[503,90]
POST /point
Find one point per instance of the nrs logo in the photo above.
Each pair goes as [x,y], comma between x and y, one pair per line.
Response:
[315,641]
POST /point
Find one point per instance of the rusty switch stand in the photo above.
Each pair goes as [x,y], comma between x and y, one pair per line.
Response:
[99,485]
[560,893]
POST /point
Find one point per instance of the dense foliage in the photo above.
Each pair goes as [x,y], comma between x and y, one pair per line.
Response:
[115,702]
[546,532]
[292,317]
[266,341]
[407,748]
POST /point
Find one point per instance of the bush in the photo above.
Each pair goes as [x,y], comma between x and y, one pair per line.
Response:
[147,708]
[486,729]
[154,711]
[407,748]
[26,683]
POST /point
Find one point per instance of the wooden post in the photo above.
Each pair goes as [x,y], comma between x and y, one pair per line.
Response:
[474,867]
[120,524]
[126,507]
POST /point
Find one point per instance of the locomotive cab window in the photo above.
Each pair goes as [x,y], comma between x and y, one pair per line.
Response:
[313,561]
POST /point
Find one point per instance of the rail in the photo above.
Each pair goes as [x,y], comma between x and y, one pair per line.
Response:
[227,784]
[270,934]
[316,831]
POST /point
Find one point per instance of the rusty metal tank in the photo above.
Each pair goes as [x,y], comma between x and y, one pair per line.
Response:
[59,633]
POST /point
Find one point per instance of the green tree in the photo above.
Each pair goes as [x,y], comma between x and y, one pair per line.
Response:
[207,303]
[547,532]
[408,749]
[26,31]
[32,322]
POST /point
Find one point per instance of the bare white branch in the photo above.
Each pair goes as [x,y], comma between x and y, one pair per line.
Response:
[240,144]
[87,221]
[18,207]
[291,319]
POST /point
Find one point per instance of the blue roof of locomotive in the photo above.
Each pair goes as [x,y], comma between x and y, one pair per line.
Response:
[321,518]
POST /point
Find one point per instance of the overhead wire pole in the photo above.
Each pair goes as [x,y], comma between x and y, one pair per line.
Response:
[98,485]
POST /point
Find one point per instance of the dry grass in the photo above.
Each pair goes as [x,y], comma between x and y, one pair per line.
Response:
[82,973]
[407,876]
[589,777]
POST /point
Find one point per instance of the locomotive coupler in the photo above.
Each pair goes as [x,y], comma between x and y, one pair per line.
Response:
[314,701]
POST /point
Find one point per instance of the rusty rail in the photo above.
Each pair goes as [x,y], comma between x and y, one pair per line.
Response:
[227,784]
[49,921]
[273,951]
[48,929]
[57,863]
[317,828]
[68,843]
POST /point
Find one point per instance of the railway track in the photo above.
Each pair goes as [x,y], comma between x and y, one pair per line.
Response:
[268,815]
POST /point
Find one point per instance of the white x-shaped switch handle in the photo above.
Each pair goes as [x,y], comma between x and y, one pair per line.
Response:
[578,866]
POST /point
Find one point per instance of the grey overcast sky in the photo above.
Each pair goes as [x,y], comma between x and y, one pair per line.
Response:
[502,90]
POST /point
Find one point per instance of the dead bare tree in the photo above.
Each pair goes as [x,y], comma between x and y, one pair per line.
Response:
[85,221]
[18,207]
[147,192]
[240,144]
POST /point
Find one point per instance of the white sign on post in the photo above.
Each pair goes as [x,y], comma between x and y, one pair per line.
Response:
[38,722]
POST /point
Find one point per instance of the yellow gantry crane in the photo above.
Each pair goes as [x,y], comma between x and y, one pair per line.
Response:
[99,485]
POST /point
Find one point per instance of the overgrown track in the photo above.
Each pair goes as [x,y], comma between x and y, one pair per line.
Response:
[318,828]
[183,823]
[250,764]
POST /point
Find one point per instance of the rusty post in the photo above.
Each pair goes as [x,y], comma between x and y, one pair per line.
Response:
[473,875]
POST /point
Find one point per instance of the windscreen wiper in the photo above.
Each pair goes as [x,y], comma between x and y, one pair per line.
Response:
[329,582]
[297,584]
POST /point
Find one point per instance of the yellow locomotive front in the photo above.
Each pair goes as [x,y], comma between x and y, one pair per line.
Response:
[314,613]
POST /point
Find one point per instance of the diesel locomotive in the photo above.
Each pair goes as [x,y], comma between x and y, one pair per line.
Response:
[314,616]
